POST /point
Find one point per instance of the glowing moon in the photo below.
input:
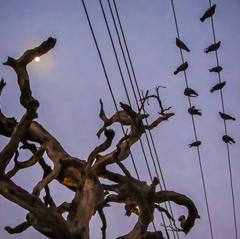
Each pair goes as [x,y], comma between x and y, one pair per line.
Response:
[37,59]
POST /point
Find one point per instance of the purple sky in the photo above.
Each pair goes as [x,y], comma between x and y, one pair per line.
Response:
[69,82]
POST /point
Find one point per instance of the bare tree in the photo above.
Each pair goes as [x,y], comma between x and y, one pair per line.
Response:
[81,176]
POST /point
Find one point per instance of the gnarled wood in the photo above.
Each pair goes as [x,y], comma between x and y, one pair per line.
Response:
[80,176]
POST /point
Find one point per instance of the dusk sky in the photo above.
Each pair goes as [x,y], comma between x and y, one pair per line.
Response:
[69,81]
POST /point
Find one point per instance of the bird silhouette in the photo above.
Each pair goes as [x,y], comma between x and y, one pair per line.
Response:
[190,92]
[181,45]
[228,140]
[195,144]
[213,47]
[208,13]
[182,67]
[218,86]
[226,116]
[216,69]
[193,111]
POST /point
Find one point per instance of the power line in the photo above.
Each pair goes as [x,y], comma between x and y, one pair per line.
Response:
[226,130]
[108,82]
[106,76]
[139,95]
[194,127]
[124,84]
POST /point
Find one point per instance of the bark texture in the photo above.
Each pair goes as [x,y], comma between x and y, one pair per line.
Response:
[80,176]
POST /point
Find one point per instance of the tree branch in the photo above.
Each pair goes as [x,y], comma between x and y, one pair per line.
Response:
[188,223]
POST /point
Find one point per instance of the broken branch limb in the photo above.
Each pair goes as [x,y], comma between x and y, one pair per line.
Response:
[18,229]
[188,223]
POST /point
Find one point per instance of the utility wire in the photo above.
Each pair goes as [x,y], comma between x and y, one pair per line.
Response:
[124,84]
[194,128]
[135,95]
[108,81]
[106,76]
[226,131]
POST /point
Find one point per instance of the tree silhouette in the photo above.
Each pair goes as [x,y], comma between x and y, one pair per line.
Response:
[81,176]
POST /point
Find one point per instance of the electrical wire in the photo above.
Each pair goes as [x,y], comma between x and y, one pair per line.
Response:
[106,76]
[139,95]
[124,84]
[194,128]
[226,131]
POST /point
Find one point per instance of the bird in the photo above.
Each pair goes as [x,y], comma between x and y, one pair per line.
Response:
[193,111]
[228,140]
[208,13]
[181,45]
[212,47]
[190,92]
[216,69]
[226,116]
[182,67]
[218,86]
[195,144]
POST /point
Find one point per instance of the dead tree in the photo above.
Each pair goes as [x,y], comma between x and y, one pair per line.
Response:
[81,176]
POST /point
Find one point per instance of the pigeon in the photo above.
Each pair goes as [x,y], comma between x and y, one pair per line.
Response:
[195,144]
[226,116]
[193,111]
[212,47]
[190,92]
[228,140]
[208,13]
[218,86]
[216,69]
[181,45]
[182,67]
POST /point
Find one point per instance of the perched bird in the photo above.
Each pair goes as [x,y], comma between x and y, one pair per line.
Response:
[228,140]
[226,116]
[193,111]
[182,221]
[216,69]
[218,86]
[213,47]
[208,13]
[182,67]
[181,45]
[195,144]
[190,92]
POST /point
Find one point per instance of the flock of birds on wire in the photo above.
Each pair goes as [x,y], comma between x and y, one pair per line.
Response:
[189,92]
